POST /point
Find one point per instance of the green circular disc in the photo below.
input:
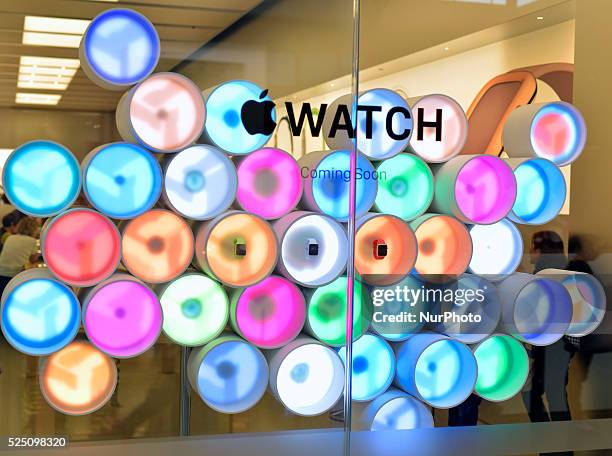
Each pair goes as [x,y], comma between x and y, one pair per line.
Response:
[405,186]
[503,366]
[196,309]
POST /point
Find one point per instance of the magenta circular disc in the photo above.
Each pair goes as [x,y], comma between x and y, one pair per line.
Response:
[122,317]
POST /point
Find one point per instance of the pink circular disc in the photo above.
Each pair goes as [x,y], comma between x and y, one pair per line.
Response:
[269,314]
[485,189]
[81,247]
[122,316]
[166,112]
[269,183]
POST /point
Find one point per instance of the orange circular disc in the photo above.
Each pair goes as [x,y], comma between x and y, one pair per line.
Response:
[385,250]
[237,248]
[78,379]
[157,246]
[444,245]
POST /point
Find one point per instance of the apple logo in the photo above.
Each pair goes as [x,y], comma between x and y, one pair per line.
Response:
[257,116]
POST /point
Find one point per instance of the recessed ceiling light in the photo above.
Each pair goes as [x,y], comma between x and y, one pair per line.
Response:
[446,48]
[332,84]
[53,31]
[37,98]
[539,18]
[47,73]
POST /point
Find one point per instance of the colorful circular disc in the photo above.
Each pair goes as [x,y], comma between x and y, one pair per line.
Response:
[41,178]
[497,249]
[81,247]
[394,410]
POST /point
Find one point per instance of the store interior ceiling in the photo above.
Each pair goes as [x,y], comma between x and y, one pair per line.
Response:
[196,32]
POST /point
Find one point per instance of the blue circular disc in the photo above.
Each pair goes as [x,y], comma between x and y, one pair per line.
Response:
[122,180]
[41,178]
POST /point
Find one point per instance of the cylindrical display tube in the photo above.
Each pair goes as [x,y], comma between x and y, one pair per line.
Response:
[436,369]
[229,374]
[240,117]
[77,380]
[405,187]
[588,299]
[326,314]
[157,246]
[441,128]
[395,410]
[382,132]
[535,309]
[540,191]
[269,183]
[122,316]
[195,308]
[39,314]
[503,366]
[497,249]
[373,367]
[313,248]
[475,189]
[121,180]
[269,314]
[555,131]
[445,246]
[200,182]
[164,113]
[236,248]
[41,178]
[119,48]
[327,181]
[306,376]
[81,247]
[385,249]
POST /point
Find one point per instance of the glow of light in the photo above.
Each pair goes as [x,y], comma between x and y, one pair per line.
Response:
[408,188]
[196,309]
[122,317]
[314,270]
[40,316]
[269,183]
[46,72]
[330,186]
[497,249]
[121,180]
[41,178]
[271,313]
[53,31]
[200,182]
[223,117]
[373,367]
[50,99]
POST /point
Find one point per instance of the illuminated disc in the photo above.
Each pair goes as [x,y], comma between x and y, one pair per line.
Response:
[41,178]
[269,183]
[308,380]
[121,180]
[453,132]
[445,246]
[396,237]
[122,316]
[503,366]
[81,247]
[588,301]
[497,249]
[396,410]
[558,133]
[77,380]
[485,189]
[326,315]
[40,315]
[217,246]
[119,48]
[405,188]
[330,185]
[380,145]
[269,314]
[231,375]
[232,104]
[540,192]
[165,113]
[196,309]
[200,182]
[373,367]
[157,246]
[332,250]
